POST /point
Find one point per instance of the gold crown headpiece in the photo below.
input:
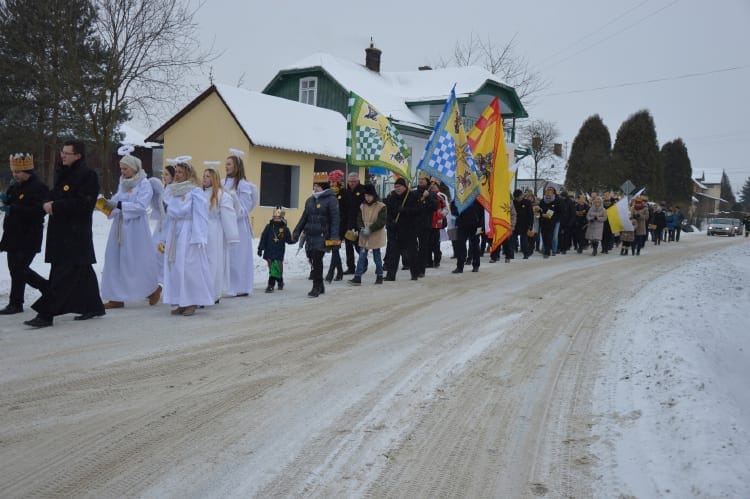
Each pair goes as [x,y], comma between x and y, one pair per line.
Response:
[21,162]
[279,212]
[320,178]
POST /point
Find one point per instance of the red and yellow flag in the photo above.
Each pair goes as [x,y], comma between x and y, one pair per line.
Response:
[487,142]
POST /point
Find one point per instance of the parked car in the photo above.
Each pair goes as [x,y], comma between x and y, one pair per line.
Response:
[717,226]
[737,226]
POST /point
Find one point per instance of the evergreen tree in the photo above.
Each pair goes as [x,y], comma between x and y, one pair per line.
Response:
[636,155]
[590,157]
[745,196]
[38,40]
[678,182]
[726,192]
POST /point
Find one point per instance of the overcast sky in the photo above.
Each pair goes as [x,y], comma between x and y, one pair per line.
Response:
[686,61]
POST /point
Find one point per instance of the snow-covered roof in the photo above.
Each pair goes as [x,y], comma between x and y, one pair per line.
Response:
[700,186]
[135,137]
[267,120]
[390,91]
[711,197]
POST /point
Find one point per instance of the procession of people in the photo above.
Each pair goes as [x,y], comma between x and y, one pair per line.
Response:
[188,241]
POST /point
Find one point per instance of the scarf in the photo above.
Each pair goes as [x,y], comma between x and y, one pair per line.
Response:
[127,184]
[181,188]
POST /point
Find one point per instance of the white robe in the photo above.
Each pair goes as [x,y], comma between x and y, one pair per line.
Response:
[187,279]
[241,264]
[222,234]
[130,262]
[158,217]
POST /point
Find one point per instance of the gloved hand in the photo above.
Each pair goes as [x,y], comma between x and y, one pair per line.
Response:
[260,252]
[364,231]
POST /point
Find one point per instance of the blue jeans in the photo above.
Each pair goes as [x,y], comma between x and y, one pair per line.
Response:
[363,259]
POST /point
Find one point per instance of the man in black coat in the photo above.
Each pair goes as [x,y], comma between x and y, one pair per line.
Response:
[524,223]
[73,287]
[403,210]
[428,203]
[354,197]
[22,229]
[469,224]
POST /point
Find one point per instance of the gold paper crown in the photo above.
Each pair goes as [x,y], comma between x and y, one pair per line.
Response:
[320,177]
[279,212]
[20,162]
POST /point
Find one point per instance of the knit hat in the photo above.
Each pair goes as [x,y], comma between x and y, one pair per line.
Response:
[400,181]
[131,162]
[335,176]
[517,192]
[21,162]
[370,189]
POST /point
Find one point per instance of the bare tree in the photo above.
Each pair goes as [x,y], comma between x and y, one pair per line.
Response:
[501,60]
[148,46]
[540,137]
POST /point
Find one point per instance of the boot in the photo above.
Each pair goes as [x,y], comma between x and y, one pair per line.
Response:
[596,247]
[379,279]
[280,284]
[356,280]
[153,298]
[390,277]
[339,273]
[329,275]
[271,282]
[638,251]
[632,250]
[314,292]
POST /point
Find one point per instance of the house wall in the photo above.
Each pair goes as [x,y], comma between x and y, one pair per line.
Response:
[207,132]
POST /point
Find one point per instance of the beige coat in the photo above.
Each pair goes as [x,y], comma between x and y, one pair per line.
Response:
[641,217]
[370,213]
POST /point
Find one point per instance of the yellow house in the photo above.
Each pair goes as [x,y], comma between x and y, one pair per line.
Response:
[284,143]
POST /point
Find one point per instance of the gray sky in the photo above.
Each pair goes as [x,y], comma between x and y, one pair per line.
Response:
[615,47]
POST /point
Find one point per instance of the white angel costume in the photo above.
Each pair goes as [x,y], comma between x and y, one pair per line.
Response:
[222,235]
[130,261]
[241,264]
[187,278]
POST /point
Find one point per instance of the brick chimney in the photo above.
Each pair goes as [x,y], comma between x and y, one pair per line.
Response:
[372,58]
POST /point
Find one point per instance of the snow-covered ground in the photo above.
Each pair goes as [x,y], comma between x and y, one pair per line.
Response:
[675,385]
[670,408]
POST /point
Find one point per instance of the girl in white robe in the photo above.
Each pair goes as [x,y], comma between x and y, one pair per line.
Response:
[187,278]
[130,261]
[159,215]
[222,230]
[245,195]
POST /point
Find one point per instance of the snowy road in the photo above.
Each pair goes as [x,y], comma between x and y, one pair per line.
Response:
[476,385]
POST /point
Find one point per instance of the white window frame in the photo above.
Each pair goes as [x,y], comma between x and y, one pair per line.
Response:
[308,90]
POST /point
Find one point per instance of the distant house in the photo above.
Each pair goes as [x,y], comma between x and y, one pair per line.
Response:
[284,142]
[707,198]
[413,100]
[297,125]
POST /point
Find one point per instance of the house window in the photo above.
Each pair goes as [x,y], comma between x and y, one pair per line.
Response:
[308,91]
[279,185]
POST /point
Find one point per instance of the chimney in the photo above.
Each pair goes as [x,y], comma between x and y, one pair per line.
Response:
[372,58]
[424,68]
[557,148]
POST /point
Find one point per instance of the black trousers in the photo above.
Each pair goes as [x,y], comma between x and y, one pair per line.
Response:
[21,274]
[352,249]
[316,260]
[71,289]
[403,241]
[459,248]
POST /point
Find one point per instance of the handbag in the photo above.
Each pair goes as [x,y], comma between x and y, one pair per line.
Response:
[651,226]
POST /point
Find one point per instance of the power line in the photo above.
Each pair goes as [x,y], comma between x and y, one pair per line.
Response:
[647,82]
[639,21]
[599,29]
